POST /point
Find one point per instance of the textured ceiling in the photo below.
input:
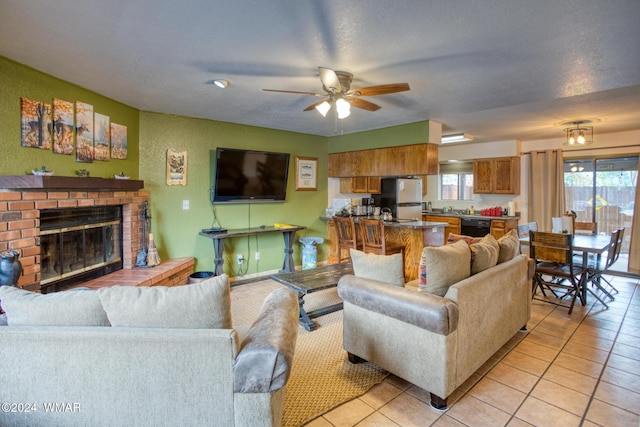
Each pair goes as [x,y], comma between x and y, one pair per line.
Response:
[498,69]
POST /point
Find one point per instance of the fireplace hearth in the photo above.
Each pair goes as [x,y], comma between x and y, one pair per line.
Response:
[29,207]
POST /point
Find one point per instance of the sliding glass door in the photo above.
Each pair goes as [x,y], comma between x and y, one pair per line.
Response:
[602,190]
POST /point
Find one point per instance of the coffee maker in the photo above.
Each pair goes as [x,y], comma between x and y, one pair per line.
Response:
[367,202]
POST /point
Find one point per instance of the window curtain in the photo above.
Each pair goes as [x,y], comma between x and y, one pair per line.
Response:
[634,244]
[545,187]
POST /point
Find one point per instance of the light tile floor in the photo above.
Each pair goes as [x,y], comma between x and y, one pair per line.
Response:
[581,369]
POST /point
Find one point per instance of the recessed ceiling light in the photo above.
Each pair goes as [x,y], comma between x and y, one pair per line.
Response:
[221,83]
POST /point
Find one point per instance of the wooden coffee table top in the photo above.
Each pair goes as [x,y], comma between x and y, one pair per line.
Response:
[316,279]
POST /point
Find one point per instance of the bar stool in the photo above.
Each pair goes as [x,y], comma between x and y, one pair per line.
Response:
[347,237]
[373,240]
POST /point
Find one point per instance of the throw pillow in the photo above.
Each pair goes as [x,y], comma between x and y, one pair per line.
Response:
[457,237]
[445,265]
[66,308]
[201,305]
[484,254]
[509,246]
[383,268]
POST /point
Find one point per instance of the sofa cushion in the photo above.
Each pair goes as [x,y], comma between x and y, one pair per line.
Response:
[66,308]
[445,265]
[484,254]
[197,306]
[383,268]
[509,246]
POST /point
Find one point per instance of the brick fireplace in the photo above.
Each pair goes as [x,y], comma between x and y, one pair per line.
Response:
[22,198]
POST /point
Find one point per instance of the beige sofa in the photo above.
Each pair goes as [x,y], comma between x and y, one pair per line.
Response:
[436,342]
[178,372]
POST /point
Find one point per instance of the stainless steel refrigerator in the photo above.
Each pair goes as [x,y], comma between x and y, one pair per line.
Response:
[402,195]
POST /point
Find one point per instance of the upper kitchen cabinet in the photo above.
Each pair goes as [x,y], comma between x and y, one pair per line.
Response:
[500,175]
[417,159]
[363,184]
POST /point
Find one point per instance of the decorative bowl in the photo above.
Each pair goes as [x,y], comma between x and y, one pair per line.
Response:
[120,177]
[42,173]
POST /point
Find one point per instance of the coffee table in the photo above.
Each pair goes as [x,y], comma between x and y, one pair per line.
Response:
[313,280]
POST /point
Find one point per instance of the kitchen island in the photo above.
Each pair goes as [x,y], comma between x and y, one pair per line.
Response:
[412,234]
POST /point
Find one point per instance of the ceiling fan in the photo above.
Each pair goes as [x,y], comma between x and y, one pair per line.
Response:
[337,87]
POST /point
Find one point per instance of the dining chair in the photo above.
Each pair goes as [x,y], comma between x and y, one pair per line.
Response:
[373,239]
[347,237]
[554,267]
[582,227]
[599,269]
[523,230]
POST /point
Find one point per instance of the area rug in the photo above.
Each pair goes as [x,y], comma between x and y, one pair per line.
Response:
[321,377]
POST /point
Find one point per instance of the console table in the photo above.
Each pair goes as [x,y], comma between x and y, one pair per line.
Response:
[288,233]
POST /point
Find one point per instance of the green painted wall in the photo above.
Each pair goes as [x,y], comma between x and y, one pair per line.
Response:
[151,134]
[176,230]
[412,133]
[18,81]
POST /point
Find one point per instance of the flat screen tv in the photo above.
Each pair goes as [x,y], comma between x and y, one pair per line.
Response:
[246,176]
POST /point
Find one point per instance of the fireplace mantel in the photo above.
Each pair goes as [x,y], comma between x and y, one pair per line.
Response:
[33,182]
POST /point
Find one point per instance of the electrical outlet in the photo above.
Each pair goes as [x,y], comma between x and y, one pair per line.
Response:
[257,256]
[240,259]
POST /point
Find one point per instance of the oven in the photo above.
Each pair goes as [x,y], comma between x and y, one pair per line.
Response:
[475,227]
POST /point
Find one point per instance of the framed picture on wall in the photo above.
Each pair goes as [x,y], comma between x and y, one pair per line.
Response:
[84,132]
[176,167]
[306,173]
[35,118]
[62,127]
[118,141]
[102,137]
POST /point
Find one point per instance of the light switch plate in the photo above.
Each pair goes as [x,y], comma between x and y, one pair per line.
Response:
[185,205]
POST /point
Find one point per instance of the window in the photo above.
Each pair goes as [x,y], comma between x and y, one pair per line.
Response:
[606,196]
[456,181]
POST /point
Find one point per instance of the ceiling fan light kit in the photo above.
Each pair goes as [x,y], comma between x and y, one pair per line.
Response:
[579,134]
[337,88]
[343,108]
[323,108]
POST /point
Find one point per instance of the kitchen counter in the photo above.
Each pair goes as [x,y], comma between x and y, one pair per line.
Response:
[399,223]
[461,215]
[414,235]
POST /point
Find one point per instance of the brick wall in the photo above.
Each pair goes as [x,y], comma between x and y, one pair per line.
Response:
[20,223]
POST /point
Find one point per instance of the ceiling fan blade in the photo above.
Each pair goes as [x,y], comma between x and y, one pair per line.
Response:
[380,89]
[361,103]
[314,105]
[293,91]
[329,79]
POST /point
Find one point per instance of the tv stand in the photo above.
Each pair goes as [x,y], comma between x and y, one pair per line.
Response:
[288,233]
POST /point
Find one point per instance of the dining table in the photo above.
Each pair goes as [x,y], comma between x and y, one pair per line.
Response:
[596,244]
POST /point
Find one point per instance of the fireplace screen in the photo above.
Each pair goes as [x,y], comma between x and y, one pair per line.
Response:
[77,244]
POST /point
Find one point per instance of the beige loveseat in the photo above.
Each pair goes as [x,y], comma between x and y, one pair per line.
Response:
[436,342]
[143,357]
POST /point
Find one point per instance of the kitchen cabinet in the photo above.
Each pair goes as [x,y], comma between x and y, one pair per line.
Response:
[453,221]
[499,175]
[416,159]
[500,227]
[364,184]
